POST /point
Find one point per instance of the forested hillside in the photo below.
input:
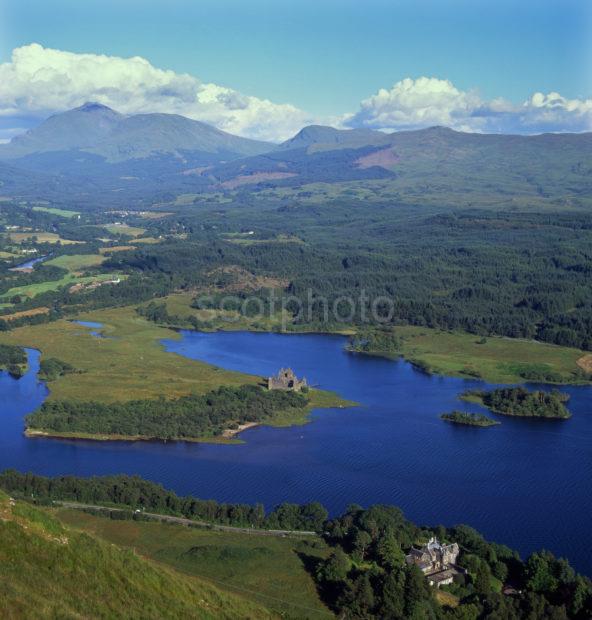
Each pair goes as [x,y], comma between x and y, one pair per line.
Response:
[521,274]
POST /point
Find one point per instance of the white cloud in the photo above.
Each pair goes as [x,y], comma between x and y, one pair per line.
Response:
[40,81]
[412,104]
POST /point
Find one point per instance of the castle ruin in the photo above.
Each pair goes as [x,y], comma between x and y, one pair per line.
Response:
[286,380]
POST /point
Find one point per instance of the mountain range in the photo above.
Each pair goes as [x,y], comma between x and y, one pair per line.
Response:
[94,154]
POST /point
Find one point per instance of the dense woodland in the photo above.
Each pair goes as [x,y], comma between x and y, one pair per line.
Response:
[187,417]
[365,575]
[518,401]
[518,274]
[486,274]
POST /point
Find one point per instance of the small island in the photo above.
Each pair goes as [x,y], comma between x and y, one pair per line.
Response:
[468,419]
[520,402]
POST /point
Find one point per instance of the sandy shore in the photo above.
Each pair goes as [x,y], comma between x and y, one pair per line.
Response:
[230,433]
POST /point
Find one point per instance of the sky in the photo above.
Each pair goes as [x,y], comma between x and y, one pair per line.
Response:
[264,68]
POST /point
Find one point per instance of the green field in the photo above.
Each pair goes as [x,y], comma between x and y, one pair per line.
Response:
[147,240]
[42,237]
[76,262]
[31,290]
[7,255]
[58,212]
[495,359]
[245,239]
[129,364]
[124,229]
[49,570]
[269,571]
[179,304]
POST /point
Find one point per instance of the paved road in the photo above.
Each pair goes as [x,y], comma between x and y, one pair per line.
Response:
[191,522]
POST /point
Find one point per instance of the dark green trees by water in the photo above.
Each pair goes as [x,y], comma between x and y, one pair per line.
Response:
[186,417]
[468,419]
[520,402]
[13,359]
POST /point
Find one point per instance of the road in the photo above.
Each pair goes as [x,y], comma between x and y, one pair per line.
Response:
[191,522]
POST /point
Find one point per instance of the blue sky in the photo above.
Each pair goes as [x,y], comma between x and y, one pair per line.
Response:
[326,56]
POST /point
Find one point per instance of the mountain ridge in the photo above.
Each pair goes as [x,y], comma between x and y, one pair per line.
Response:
[94,154]
[98,129]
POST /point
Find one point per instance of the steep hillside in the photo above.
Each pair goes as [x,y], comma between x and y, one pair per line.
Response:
[48,571]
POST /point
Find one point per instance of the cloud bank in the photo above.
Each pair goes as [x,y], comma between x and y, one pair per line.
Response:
[39,81]
[412,104]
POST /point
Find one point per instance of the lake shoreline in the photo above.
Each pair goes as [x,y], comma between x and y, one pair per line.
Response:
[420,360]
[32,433]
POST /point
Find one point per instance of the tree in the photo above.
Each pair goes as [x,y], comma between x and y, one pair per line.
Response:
[388,551]
[539,576]
[362,540]
[335,568]
[500,571]
[416,590]
[483,579]
[581,598]
[393,595]
[358,598]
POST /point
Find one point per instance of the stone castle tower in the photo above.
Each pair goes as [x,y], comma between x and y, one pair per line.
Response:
[286,380]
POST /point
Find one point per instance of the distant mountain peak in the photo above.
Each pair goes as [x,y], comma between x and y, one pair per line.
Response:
[325,135]
[98,129]
[93,106]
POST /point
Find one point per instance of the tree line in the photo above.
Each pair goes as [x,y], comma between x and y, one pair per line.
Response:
[187,417]
[136,493]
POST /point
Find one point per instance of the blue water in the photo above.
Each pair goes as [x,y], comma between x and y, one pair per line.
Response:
[94,327]
[525,483]
[30,263]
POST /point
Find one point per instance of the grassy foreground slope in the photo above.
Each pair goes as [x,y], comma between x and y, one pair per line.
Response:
[48,570]
[268,570]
